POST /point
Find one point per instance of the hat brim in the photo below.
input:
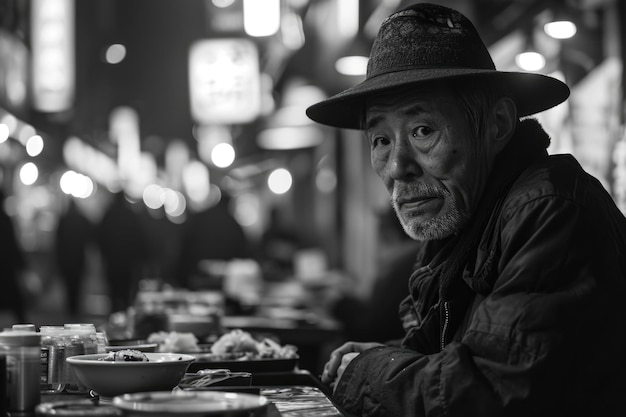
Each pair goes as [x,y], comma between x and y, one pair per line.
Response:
[532,93]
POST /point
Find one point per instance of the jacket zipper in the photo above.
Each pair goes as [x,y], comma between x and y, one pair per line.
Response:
[446,320]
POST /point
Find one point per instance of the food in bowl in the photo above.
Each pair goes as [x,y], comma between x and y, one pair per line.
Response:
[174,341]
[240,345]
[125,355]
[160,372]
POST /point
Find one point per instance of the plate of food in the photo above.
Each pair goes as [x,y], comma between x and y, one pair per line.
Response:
[238,351]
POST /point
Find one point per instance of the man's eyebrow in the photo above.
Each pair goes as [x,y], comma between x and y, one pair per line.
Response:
[371,122]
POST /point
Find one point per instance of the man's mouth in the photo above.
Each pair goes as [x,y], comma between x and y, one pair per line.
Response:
[415,203]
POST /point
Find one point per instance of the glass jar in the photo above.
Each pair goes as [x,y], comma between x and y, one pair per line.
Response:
[87,333]
[80,339]
[22,352]
[102,342]
[52,359]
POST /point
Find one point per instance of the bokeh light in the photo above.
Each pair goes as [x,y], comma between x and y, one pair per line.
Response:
[29,173]
[223,155]
[279,181]
[34,145]
[26,132]
[76,184]
[560,29]
[152,196]
[115,53]
[530,61]
[223,3]
[4,132]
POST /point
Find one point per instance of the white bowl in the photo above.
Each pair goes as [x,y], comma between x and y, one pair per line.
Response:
[190,404]
[162,371]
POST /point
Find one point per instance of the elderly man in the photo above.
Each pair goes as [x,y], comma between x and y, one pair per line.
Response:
[516,305]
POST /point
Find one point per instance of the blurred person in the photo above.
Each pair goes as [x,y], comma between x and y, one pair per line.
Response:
[516,306]
[12,268]
[211,234]
[73,235]
[279,245]
[375,317]
[163,237]
[121,238]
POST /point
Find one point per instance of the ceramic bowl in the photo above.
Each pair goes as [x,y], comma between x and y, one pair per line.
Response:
[162,371]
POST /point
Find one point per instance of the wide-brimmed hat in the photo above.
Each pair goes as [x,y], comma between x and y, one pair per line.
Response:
[425,43]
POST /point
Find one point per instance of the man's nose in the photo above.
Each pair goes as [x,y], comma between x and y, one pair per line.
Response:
[403,162]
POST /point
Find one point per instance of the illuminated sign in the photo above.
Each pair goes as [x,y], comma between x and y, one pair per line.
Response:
[52,33]
[224,81]
[13,72]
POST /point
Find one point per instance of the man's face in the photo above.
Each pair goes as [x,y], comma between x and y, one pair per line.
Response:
[423,148]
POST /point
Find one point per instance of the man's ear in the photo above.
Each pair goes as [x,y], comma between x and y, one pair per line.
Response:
[504,122]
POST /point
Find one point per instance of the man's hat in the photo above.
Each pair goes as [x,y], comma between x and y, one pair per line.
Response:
[425,43]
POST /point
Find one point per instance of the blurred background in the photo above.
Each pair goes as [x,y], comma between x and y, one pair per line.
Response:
[159,143]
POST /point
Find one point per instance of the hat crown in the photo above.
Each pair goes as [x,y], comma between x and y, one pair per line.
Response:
[427,43]
[427,36]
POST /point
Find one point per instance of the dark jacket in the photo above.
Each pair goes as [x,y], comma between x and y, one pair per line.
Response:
[520,315]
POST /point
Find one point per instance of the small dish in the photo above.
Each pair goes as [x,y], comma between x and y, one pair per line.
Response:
[190,403]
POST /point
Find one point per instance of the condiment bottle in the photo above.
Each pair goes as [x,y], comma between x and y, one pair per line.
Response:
[22,352]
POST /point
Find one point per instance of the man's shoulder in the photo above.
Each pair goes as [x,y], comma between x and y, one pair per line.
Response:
[558,177]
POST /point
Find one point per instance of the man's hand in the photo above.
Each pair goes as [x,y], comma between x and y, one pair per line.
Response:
[341,357]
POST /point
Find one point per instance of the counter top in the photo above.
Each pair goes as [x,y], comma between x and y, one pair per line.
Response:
[294,394]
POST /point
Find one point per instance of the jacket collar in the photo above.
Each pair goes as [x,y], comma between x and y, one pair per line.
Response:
[529,143]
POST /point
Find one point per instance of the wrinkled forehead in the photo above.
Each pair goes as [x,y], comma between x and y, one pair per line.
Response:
[408,101]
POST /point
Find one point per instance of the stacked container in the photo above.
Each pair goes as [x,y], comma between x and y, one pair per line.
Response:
[21,350]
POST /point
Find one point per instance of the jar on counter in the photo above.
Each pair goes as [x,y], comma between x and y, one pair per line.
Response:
[52,359]
[80,339]
[22,352]
[87,333]
[102,342]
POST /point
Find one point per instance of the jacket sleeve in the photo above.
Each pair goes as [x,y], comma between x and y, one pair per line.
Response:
[526,349]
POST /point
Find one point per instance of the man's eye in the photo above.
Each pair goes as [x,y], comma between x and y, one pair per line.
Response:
[379,140]
[421,131]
